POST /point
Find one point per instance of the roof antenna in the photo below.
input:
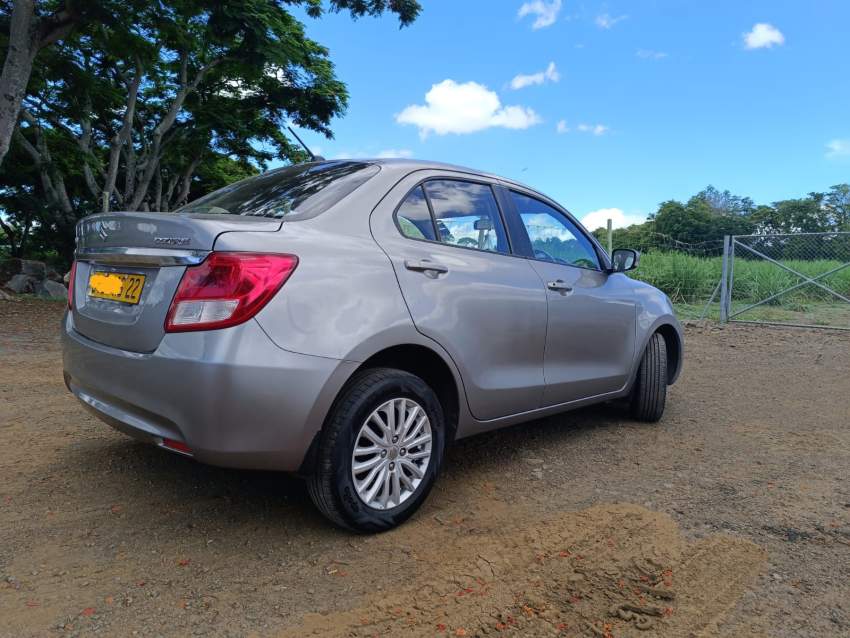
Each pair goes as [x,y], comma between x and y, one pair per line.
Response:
[313,158]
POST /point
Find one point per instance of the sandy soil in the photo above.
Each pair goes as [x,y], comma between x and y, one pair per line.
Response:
[731,517]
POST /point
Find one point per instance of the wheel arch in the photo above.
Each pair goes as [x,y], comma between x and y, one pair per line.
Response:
[668,327]
[416,359]
[673,341]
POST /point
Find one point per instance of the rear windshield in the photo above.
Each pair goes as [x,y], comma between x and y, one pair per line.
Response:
[304,190]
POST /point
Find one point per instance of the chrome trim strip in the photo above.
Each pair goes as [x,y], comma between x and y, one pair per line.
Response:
[141,256]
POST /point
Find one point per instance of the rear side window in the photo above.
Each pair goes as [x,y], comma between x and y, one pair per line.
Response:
[466,214]
[553,236]
[414,218]
[301,191]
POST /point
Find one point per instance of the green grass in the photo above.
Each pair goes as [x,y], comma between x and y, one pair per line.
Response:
[690,280]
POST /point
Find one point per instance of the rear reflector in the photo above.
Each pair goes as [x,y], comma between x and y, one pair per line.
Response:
[227,289]
[177,446]
[71,279]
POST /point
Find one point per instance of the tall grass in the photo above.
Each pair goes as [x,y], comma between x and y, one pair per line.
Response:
[691,279]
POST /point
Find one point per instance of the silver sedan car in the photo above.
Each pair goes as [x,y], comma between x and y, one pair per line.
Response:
[348,320]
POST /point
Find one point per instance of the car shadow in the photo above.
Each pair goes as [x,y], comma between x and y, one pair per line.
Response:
[164,488]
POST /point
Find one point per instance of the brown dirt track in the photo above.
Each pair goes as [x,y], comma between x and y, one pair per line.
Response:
[729,518]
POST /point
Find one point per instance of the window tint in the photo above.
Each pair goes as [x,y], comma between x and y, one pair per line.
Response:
[304,189]
[554,237]
[414,218]
[467,215]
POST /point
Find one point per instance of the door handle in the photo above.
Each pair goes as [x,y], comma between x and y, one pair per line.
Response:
[425,265]
[559,285]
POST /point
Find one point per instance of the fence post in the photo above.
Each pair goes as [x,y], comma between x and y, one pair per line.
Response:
[610,236]
[724,281]
[731,271]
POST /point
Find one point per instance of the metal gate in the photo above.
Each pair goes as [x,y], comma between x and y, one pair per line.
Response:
[793,279]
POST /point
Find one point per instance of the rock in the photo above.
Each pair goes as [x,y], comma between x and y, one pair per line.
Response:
[53,275]
[8,269]
[11,267]
[33,268]
[5,296]
[48,289]
[21,284]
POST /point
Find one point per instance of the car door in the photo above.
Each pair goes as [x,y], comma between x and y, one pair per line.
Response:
[451,254]
[591,322]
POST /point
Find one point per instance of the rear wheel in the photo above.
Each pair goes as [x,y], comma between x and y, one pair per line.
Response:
[380,451]
[649,393]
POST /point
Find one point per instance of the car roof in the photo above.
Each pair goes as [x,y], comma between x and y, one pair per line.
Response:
[406,165]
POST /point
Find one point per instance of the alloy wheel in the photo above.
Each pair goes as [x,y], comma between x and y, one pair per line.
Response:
[391,453]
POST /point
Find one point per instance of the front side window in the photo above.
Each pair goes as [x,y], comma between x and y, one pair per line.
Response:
[466,214]
[304,190]
[554,237]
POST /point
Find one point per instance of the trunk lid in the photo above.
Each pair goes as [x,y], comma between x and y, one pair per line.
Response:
[156,246]
[163,230]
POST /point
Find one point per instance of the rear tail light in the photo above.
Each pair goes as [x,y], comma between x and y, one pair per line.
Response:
[73,276]
[227,289]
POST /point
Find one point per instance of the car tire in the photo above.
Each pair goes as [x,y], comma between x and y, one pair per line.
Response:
[649,393]
[333,486]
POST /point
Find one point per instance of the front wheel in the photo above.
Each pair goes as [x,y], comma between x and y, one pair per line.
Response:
[649,393]
[380,451]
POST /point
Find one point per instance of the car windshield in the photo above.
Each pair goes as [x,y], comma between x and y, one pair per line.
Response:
[304,190]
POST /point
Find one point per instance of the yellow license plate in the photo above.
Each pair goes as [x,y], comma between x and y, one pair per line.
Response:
[117,286]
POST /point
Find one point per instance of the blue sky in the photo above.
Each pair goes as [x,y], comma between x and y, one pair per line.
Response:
[604,105]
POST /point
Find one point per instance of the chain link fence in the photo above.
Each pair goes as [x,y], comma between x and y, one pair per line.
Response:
[795,279]
[688,273]
[799,279]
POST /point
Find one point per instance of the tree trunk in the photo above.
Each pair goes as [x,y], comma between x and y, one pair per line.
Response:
[16,69]
[122,136]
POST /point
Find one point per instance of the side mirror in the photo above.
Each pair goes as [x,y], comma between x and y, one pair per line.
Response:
[623,259]
[483,224]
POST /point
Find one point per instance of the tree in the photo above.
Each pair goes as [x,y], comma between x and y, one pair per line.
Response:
[724,203]
[804,215]
[30,27]
[140,112]
[837,203]
[21,201]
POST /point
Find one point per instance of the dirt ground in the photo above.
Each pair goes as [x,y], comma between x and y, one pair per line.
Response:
[731,517]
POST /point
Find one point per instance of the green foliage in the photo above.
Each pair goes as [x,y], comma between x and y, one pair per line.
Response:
[147,104]
[220,171]
[691,279]
[700,224]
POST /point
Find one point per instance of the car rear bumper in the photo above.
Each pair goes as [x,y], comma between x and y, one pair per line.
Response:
[233,396]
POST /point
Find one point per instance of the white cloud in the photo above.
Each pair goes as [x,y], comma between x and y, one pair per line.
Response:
[763,36]
[464,108]
[550,74]
[394,152]
[838,148]
[561,127]
[606,21]
[619,219]
[596,129]
[546,12]
[649,54]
